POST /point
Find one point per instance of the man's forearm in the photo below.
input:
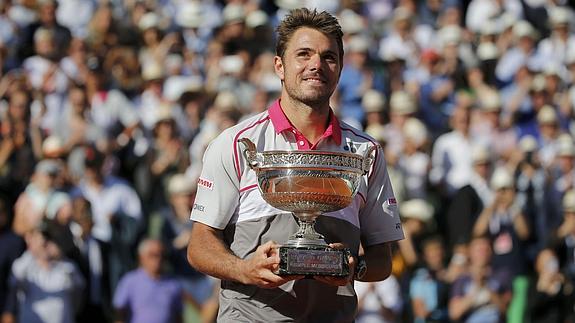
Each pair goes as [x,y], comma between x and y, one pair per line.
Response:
[209,255]
[378,260]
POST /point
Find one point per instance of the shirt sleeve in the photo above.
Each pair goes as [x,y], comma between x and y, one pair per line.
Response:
[379,218]
[122,293]
[217,197]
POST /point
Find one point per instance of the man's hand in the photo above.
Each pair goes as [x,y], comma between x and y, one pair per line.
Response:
[339,281]
[259,268]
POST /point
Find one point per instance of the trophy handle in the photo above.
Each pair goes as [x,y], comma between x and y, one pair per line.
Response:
[368,158]
[250,152]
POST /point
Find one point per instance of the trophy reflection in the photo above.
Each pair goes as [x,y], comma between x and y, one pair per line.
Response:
[308,184]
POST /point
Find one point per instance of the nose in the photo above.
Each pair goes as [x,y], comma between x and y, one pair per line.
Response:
[315,62]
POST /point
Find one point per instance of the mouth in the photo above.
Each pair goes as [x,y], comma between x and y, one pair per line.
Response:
[314,80]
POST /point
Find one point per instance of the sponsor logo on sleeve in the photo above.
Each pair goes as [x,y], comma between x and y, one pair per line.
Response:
[202,182]
[390,206]
[199,207]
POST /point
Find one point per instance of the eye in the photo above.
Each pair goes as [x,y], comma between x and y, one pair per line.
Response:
[330,57]
[303,54]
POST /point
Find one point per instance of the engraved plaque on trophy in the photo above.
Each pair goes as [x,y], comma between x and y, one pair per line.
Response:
[308,184]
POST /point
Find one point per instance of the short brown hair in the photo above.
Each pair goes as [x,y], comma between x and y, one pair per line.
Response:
[303,17]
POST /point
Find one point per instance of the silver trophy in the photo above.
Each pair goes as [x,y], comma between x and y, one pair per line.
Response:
[308,184]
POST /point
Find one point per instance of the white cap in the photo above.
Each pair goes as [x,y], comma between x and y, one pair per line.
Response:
[289,4]
[401,13]
[490,101]
[52,146]
[233,13]
[181,184]
[256,18]
[487,51]
[507,20]
[351,22]
[415,130]
[373,101]
[524,29]
[149,20]
[153,71]
[501,178]
[538,83]
[190,15]
[394,51]
[402,103]
[489,28]
[416,209]
[358,44]
[376,131]
[226,101]
[43,34]
[559,16]
[547,115]
[231,64]
[450,34]
[528,144]
[552,69]
[565,146]
[480,154]
[163,112]
[569,201]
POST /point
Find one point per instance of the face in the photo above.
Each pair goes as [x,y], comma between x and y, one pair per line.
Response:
[480,252]
[433,253]
[151,257]
[310,67]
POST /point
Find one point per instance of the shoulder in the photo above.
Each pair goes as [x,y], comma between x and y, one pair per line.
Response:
[227,141]
[131,278]
[350,132]
[21,265]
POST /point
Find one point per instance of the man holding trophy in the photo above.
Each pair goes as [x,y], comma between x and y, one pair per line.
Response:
[269,182]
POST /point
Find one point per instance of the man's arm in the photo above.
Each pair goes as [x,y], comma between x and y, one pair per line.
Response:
[378,261]
[208,253]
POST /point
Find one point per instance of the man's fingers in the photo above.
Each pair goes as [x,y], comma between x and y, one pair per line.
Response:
[334,281]
[337,245]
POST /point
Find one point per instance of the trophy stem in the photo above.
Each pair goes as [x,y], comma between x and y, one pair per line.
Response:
[306,235]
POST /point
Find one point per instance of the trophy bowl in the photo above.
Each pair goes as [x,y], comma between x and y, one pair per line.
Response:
[308,184]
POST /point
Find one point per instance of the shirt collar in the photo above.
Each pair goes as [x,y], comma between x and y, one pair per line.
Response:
[281,123]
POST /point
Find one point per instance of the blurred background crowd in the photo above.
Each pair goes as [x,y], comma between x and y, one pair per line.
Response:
[106,107]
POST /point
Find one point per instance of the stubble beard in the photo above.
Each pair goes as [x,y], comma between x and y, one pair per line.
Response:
[315,99]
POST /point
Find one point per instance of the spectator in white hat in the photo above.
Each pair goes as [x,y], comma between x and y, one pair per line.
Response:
[560,42]
[548,134]
[373,103]
[417,218]
[401,38]
[505,225]
[414,160]
[522,51]
[401,107]
[488,127]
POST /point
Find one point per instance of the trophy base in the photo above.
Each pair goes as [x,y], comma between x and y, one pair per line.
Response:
[313,261]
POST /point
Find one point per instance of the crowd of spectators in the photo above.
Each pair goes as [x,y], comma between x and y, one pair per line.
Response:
[106,107]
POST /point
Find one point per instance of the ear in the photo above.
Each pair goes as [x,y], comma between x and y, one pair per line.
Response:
[279,67]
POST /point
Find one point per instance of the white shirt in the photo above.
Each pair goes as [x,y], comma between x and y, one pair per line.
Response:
[451,160]
[386,293]
[47,295]
[115,197]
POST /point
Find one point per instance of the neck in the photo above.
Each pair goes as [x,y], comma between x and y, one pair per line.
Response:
[310,121]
